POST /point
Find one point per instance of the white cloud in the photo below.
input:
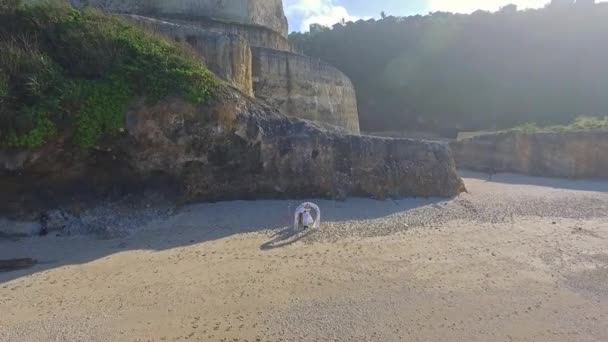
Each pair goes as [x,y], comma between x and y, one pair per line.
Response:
[469,6]
[323,12]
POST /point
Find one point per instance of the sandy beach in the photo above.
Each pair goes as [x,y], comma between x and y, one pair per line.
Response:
[515,259]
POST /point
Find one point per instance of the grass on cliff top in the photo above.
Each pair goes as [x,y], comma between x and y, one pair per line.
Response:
[581,123]
[69,72]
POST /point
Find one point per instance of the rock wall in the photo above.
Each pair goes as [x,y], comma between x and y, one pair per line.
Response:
[581,154]
[264,13]
[305,87]
[227,55]
[297,85]
[259,63]
[233,148]
[254,35]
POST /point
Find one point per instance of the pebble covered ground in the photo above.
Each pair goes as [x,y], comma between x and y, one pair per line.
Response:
[487,202]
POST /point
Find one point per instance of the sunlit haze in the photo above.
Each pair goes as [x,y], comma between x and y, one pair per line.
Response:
[302,13]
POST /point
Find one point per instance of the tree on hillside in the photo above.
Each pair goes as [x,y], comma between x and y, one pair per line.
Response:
[511,8]
[446,72]
[317,28]
[9,5]
[561,3]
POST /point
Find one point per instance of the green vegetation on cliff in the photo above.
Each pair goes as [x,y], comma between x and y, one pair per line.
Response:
[447,72]
[582,123]
[74,73]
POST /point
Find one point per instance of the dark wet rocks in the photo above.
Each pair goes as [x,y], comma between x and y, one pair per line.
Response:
[16,264]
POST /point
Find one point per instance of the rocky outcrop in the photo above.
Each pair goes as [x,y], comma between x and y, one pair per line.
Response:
[305,87]
[233,148]
[245,43]
[263,13]
[254,35]
[580,154]
[294,84]
[227,55]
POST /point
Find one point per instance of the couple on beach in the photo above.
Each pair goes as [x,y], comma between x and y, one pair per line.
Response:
[304,218]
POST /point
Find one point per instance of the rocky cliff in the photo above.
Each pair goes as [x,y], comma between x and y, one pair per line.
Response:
[580,154]
[227,55]
[232,148]
[304,87]
[263,13]
[254,35]
[254,55]
[153,122]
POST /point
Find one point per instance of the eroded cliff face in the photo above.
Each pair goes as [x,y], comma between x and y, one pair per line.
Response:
[245,43]
[294,84]
[305,87]
[233,148]
[264,13]
[581,154]
[227,55]
[254,35]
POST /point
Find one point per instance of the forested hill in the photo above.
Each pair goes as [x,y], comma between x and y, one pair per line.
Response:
[449,72]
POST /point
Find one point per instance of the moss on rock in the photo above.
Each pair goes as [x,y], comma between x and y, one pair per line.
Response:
[74,72]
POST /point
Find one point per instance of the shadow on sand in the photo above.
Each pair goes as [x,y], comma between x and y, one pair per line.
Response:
[595,185]
[285,237]
[196,224]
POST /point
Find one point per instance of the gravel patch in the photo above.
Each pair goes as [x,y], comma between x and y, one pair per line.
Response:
[486,202]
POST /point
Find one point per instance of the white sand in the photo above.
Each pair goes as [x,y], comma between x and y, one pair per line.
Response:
[516,259]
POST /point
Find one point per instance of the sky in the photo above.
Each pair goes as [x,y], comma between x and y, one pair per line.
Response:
[302,13]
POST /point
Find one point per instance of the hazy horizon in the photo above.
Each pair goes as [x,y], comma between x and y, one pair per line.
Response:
[302,13]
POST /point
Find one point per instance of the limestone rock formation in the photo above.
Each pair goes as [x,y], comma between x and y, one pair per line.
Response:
[263,13]
[299,84]
[245,43]
[580,154]
[233,148]
[227,55]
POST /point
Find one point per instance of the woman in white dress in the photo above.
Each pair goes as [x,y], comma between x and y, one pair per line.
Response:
[303,217]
